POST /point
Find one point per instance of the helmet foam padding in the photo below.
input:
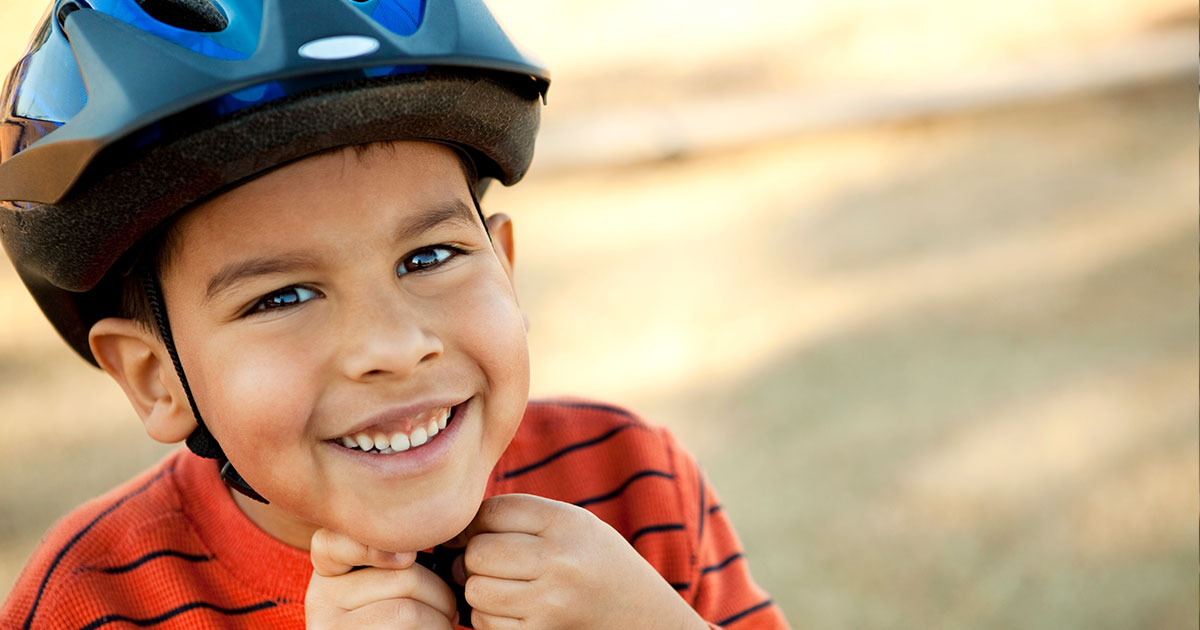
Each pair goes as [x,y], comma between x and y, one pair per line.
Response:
[74,244]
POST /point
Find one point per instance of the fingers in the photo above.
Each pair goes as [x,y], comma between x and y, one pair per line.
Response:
[335,554]
[522,513]
[411,596]
[365,587]
[484,621]
[397,613]
[496,596]
[510,556]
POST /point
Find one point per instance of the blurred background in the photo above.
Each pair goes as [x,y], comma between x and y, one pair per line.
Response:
[916,281]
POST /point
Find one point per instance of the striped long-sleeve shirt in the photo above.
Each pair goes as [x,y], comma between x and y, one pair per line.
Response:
[170,549]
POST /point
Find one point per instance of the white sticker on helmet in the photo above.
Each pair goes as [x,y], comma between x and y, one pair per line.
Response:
[339,47]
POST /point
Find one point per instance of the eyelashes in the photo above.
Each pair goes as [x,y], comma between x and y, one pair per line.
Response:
[426,258]
[283,298]
[421,260]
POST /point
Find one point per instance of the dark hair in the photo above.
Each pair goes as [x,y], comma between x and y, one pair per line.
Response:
[156,254]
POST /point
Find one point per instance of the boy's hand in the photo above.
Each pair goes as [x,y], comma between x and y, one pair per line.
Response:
[533,563]
[389,591]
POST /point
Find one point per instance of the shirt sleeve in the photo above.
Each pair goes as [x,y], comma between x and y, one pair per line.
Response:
[720,588]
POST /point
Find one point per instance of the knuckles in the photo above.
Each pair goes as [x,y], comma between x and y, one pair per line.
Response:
[575,549]
[476,554]
[493,509]
[405,613]
[319,546]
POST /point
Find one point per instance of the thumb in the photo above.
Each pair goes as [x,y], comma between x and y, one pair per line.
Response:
[335,554]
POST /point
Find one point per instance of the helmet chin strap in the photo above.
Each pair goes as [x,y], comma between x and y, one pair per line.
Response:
[201,441]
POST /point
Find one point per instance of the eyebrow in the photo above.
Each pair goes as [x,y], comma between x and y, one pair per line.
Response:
[447,211]
[233,273]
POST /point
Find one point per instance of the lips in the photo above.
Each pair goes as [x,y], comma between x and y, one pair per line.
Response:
[399,435]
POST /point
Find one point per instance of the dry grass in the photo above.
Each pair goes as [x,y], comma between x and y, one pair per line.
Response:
[943,373]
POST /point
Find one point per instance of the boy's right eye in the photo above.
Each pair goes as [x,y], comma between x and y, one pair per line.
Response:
[283,298]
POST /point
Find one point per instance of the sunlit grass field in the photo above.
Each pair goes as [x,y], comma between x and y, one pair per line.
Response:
[942,371]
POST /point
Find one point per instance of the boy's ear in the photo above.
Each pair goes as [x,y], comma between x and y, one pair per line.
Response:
[501,229]
[138,361]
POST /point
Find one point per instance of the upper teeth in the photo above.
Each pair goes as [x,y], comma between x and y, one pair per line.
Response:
[398,441]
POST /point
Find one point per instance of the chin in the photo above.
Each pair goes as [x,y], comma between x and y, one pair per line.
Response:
[419,529]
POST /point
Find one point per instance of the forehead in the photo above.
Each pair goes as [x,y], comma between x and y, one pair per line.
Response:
[340,194]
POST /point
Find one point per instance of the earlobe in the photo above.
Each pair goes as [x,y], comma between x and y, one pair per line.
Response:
[136,359]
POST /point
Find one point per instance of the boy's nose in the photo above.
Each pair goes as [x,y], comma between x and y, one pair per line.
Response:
[386,341]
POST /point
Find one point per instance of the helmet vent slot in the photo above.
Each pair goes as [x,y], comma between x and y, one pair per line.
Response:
[65,10]
[191,15]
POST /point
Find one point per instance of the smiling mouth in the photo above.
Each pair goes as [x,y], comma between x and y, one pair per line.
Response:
[423,430]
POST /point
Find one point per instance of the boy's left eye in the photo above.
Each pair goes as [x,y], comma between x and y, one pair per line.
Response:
[423,259]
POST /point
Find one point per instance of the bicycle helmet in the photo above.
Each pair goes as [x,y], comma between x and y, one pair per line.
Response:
[121,113]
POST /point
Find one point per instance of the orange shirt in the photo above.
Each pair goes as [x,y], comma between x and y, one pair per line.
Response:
[171,550]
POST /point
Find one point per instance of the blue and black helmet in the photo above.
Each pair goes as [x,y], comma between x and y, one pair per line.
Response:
[124,112]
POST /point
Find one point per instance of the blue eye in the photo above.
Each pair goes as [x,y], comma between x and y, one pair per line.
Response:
[423,259]
[283,298]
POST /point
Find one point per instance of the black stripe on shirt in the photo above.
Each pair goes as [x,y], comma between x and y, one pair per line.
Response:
[714,509]
[161,553]
[79,536]
[652,529]
[681,586]
[720,565]
[175,612]
[586,405]
[735,617]
[564,450]
[616,493]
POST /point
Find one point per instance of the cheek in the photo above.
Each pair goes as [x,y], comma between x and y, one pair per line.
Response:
[501,347]
[494,337]
[261,391]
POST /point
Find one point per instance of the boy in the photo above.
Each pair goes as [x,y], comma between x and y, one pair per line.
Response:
[262,221]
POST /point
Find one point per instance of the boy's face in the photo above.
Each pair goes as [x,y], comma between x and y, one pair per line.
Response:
[344,298]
